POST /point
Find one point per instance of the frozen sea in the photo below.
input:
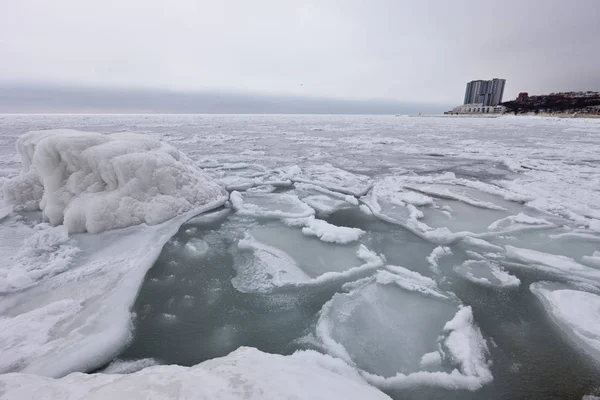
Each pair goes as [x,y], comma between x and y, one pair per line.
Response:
[439,258]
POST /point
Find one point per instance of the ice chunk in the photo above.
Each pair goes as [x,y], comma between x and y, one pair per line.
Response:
[326,231]
[518,222]
[325,205]
[269,268]
[431,361]
[272,205]
[94,182]
[463,346]
[333,178]
[361,327]
[480,244]
[47,251]
[281,256]
[244,374]
[453,192]
[197,247]
[486,273]
[554,264]
[593,260]
[576,313]
[435,256]
[384,204]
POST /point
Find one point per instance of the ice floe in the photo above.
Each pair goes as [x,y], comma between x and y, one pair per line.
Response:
[360,327]
[270,205]
[575,312]
[486,273]
[332,178]
[556,265]
[275,256]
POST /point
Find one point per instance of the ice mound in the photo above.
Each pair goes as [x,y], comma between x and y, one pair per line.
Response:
[272,257]
[332,178]
[270,205]
[439,344]
[486,273]
[246,373]
[94,182]
[576,313]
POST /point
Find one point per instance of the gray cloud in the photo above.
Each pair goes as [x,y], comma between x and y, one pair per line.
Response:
[397,51]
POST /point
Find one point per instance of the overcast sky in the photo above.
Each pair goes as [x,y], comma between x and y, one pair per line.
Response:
[395,51]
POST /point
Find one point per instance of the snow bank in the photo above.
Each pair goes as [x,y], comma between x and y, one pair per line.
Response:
[575,312]
[94,182]
[246,373]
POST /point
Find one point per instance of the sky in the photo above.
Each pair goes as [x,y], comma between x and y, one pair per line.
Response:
[362,55]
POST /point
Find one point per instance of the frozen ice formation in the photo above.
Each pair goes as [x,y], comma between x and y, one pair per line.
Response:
[575,312]
[332,178]
[276,256]
[79,319]
[270,205]
[555,265]
[439,344]
[94,182]
[246,373]
[486,273]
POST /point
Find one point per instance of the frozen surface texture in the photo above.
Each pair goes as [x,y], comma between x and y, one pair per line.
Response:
[575,312]
[453,258]
[244,374]
[92,182]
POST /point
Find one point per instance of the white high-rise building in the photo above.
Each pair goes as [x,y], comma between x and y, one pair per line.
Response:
[489,93]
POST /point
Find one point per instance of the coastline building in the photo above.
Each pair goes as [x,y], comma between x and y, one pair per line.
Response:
[489,93]
[482,97]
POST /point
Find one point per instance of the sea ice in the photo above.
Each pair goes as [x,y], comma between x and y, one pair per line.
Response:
[362,326]
[280,256]
[332,178]
[556,265]
[486,273]
[270,205]
[575,312]
[244,374]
